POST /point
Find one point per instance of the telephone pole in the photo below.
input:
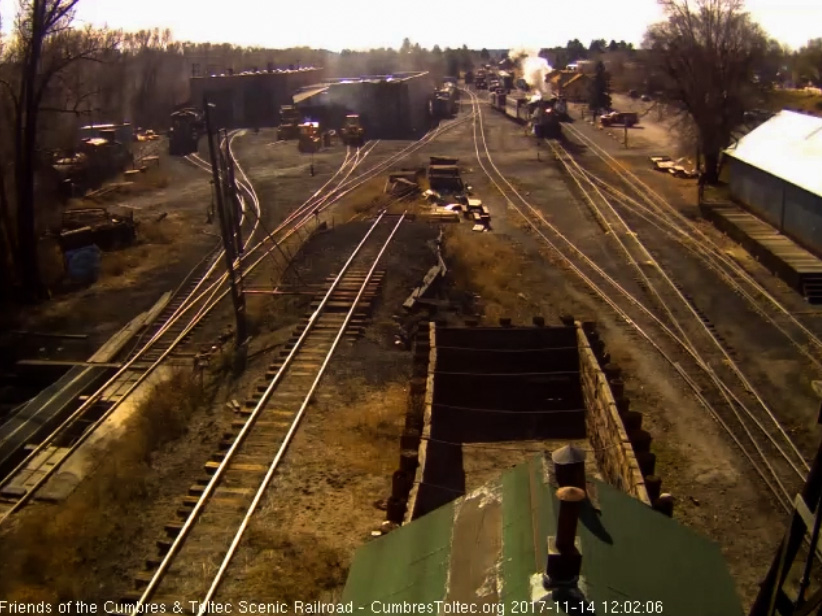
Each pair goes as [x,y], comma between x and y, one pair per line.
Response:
[774,593]
[233,197]
[229,246]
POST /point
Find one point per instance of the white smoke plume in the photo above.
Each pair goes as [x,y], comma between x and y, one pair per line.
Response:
[517,53]
[534,72]
[534,69]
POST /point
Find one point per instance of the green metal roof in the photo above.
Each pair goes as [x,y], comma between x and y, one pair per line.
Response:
[487,546]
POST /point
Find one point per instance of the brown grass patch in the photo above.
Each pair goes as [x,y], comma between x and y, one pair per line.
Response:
[777,100]
[48,553]
[370,197]
[121,262]
[156,232]
[487,265]
[144,255]
[291,566]
[365,426]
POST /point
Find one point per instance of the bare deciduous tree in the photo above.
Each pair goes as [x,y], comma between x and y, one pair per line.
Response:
[710,51]
[44,46]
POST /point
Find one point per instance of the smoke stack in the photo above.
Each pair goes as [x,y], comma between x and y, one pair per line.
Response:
[569,467]
[564,559]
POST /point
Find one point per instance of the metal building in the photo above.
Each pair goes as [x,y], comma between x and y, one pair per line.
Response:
[390,106]
[775,173]
[251,99]
[504,544]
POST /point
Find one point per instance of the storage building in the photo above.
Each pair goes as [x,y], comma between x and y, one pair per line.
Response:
[775,173]
[249,99]
[390,106]
[504,545]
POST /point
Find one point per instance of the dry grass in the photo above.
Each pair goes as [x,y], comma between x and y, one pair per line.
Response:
[778,100]
[288,566]
[370,198]
[156,232]
[290,556]
[489,266]
[144,255]
[265,313]
[121,262]
[364,427]
[49,552]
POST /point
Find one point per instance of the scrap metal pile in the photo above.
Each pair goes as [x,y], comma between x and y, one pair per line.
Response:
[96,226]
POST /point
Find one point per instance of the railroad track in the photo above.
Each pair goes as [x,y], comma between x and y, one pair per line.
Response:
[165,336]
[650,207]
[687,344]
[192,302]
[216,512]
[692,329]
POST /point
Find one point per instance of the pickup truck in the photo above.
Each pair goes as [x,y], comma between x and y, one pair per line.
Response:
[619,117]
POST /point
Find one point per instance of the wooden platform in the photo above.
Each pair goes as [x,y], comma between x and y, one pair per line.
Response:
[799,268]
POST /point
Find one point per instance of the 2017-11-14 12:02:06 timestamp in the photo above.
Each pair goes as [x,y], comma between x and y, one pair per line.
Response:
[594,608]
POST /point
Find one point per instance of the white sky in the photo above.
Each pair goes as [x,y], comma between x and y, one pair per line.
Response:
[360,24]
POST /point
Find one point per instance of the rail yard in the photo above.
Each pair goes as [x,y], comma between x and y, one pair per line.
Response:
[323,349]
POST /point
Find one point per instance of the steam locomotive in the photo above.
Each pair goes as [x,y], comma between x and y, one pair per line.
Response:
[542,115]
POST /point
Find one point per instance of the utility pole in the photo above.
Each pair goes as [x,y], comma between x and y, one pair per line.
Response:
[230,253]
[233,197]
[773,598]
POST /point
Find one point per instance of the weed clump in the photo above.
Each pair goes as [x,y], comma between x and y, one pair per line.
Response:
[292,566]
[48,553]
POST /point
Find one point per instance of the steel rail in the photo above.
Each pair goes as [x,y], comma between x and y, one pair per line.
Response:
[93,398]
[782,498]
[729,396]
[376,169]
[218,577]
[659,203]
[215,478]
[722,269]
[715,341]
[169,321]
[352,184]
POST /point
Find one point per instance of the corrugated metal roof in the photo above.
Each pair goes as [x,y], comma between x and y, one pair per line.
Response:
[788,146]
[487,546]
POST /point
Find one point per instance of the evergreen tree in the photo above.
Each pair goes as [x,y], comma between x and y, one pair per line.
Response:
[600,98]
[576,50]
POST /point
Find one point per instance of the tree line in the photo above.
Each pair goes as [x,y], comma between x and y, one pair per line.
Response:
[55,77]
[707,57]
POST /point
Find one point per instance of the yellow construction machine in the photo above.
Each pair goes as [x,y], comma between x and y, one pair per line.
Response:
[352,132]
[289,121]
[310,137]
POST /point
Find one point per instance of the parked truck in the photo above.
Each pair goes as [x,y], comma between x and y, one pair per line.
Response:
[352,132]
[310,139]
[618,117]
